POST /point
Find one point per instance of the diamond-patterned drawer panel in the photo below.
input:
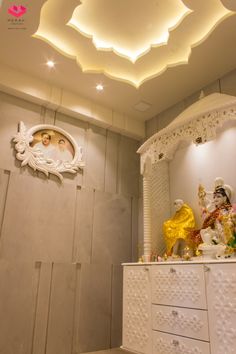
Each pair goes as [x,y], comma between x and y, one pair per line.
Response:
[182,321]
[137,309]
[178,285]
[221,293]
[170,344]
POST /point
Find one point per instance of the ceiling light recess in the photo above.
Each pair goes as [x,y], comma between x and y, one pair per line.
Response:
[99,87]
[50,64]
[142,106]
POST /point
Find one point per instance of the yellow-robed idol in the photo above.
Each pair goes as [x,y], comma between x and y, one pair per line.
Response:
[177,228]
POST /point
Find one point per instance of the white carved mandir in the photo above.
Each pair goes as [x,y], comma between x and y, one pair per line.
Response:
[198,146]
[183,307]
[180,307]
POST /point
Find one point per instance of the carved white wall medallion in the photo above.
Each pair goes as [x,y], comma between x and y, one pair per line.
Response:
[48,149]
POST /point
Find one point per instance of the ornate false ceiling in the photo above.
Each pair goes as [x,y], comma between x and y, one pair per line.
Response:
[148,54]
[129,40]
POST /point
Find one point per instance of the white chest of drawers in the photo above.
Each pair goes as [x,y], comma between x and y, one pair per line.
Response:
[180,307]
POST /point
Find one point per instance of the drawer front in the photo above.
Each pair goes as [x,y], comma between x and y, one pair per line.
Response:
[182,321]
[179,285]
[169,344]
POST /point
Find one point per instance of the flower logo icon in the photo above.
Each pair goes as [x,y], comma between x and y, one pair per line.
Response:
[17,10]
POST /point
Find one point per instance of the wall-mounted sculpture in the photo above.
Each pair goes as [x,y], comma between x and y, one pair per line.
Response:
[48,149]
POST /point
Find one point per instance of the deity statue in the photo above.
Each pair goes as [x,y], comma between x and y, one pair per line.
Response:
[219,225]
[176,230]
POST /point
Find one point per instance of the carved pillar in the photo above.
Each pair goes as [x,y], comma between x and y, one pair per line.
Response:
[147,235]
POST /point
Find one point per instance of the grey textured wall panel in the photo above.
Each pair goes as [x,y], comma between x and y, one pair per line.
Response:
[43,214]
[4,180]
[12,110]
[62,307]
[135,241]
[17,303]
[111,166]
[112,238]
[94,174]
[116,313]
[53,225]
[42,308]
[82,250]
[128,167]
[95,307]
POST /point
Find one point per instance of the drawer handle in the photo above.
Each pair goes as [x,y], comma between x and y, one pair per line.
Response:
[175,342]
[175,313]
[172,270]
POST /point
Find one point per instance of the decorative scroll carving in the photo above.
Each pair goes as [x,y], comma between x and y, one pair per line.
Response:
[37,160]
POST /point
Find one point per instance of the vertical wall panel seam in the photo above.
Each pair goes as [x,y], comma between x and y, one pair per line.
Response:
[79,305]
[105,163]
[74,311]
[91,247]
[220,89]
[5,202]
[49,308]
[132,228]
[111,314]
[42,114]
[74,226]
[118,174]
[86,146]
[35,310]
[55,117]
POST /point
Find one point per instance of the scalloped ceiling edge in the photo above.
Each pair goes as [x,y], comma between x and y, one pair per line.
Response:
[120,52]
[121,77]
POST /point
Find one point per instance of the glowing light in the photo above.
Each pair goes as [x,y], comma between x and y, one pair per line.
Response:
[99,87]
[50,64]
[131,47]
[109,48]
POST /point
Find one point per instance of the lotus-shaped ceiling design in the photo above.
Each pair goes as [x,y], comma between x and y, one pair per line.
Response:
[129,40]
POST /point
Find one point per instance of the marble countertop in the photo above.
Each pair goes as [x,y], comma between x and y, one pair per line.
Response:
[193,260]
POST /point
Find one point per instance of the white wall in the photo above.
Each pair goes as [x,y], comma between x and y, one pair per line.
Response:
[193,165]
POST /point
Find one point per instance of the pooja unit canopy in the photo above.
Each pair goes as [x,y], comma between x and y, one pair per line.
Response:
[198,124]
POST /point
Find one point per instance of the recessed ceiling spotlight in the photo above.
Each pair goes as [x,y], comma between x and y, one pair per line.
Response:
[99,87]
[50,64]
